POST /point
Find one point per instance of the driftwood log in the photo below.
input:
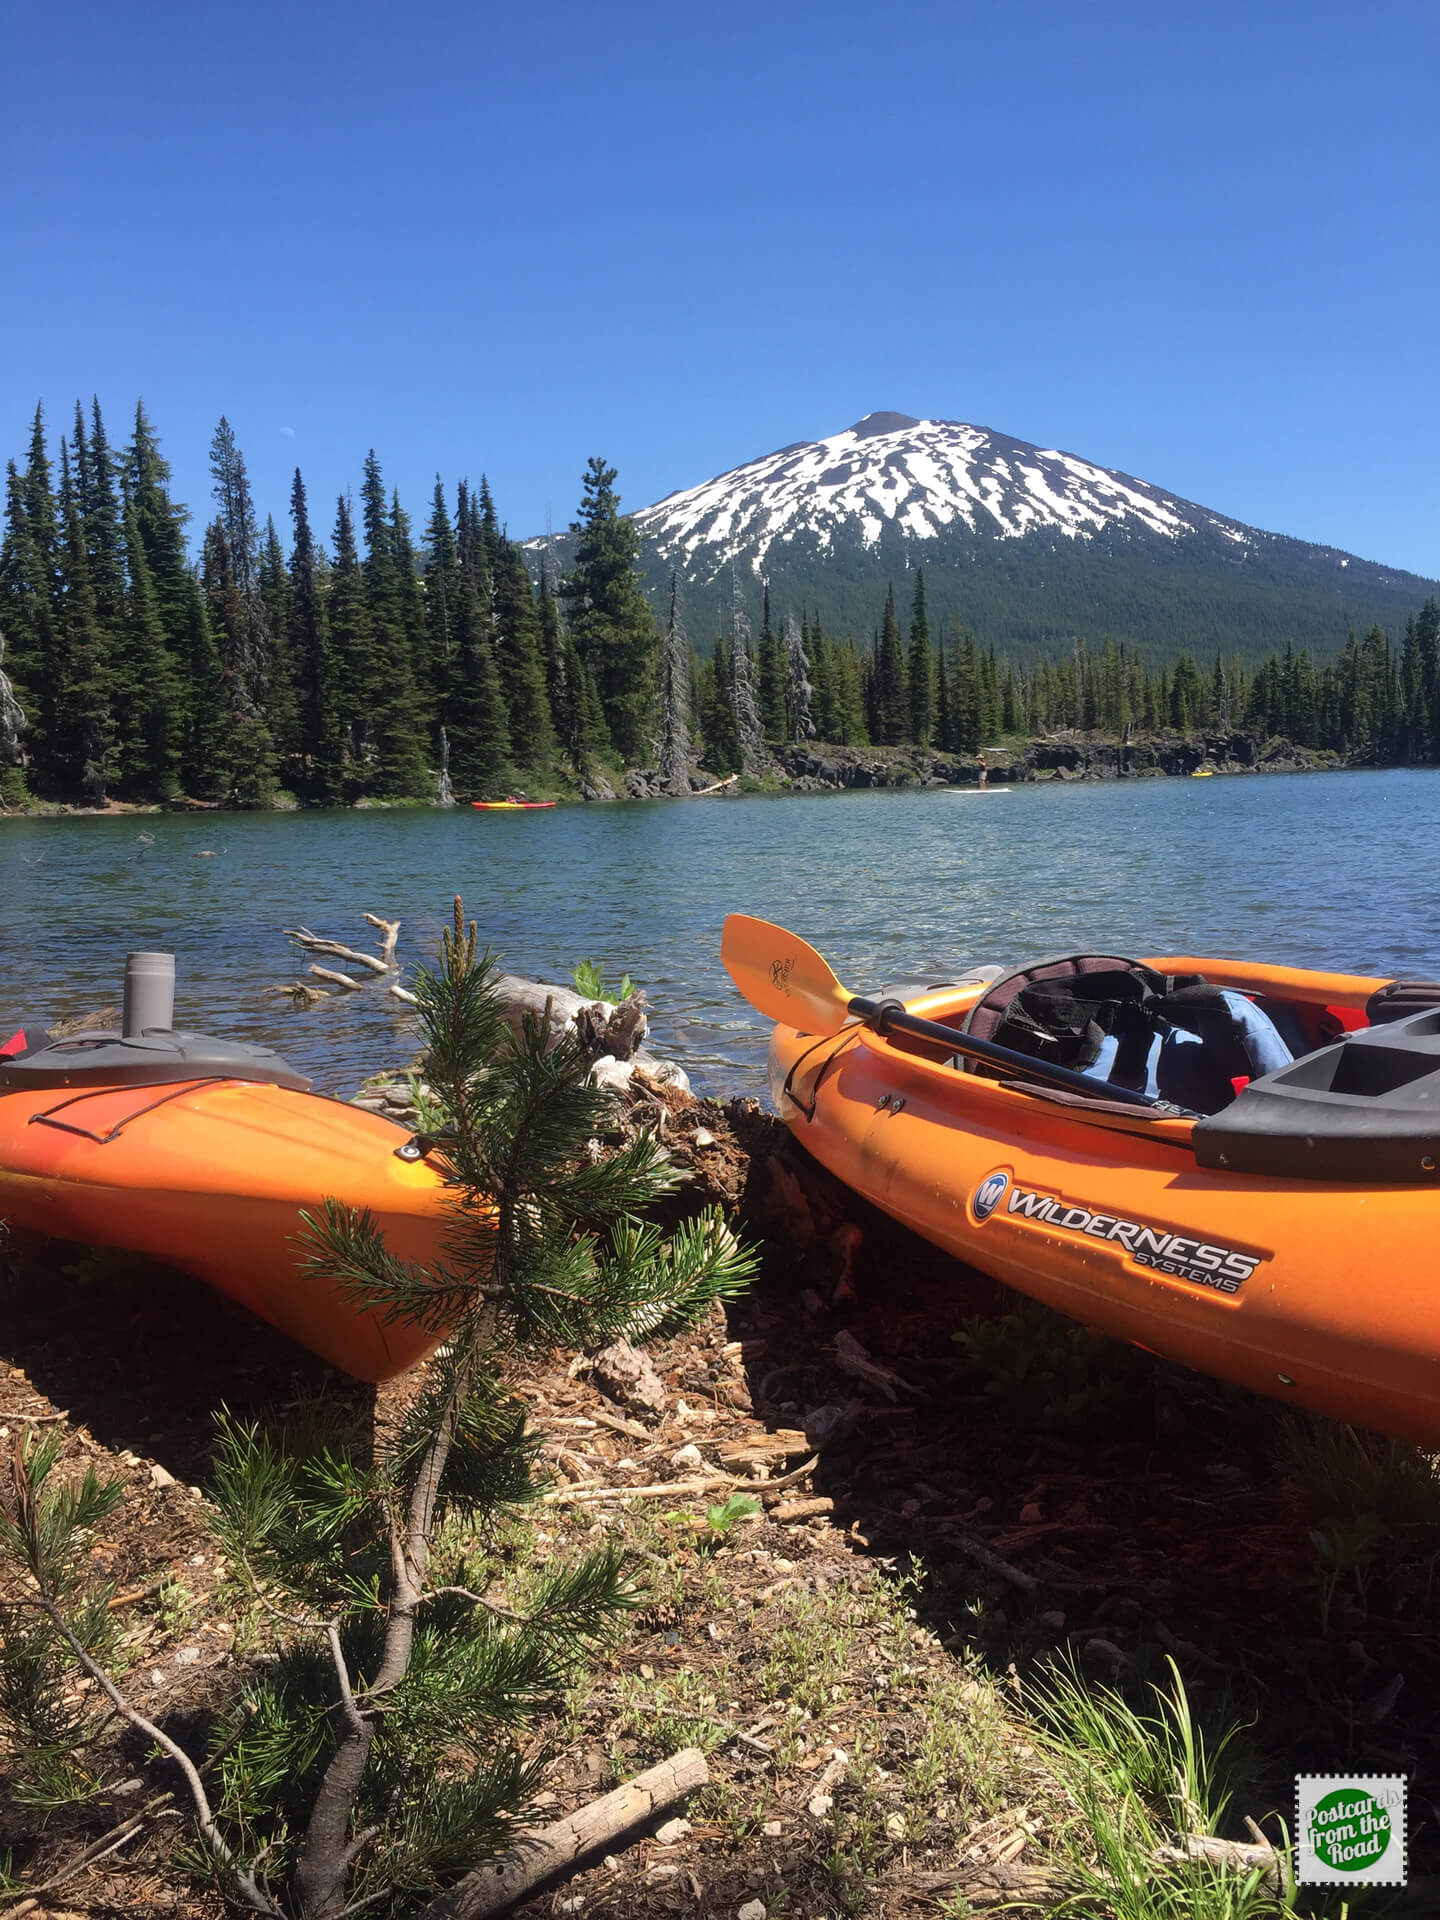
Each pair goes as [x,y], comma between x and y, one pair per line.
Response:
[562,1849]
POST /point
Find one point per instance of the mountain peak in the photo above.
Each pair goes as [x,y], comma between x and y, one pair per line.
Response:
[876,423]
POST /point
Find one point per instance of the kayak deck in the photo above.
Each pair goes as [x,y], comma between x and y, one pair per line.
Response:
[210,1176]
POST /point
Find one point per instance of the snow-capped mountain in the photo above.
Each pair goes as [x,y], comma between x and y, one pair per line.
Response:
[1028,546]
[920,479]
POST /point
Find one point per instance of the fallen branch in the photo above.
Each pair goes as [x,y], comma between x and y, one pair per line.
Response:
[560,1850]
[852,1358]
[699,793]
[334,950]
[337,979]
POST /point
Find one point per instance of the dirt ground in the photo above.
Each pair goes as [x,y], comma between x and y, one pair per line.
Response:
[856,1656]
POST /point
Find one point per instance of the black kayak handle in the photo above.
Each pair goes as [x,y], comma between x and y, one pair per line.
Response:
[889,1015]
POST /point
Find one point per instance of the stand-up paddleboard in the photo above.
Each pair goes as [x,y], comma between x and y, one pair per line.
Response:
[967,791]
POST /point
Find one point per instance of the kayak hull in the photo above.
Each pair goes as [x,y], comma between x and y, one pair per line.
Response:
[1321,1296]
[511,806]
[210,1176]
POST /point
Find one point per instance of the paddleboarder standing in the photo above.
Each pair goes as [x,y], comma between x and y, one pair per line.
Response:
[984,770]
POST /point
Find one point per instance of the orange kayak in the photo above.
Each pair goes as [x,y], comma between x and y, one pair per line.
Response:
[1286,1243]
[204,1161]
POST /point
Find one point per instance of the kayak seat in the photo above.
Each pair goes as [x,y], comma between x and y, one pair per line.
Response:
[1176,1037]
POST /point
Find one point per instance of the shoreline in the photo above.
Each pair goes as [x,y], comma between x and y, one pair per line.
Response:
[820,768]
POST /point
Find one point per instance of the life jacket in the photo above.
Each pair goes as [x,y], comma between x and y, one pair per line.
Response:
[1176,1037]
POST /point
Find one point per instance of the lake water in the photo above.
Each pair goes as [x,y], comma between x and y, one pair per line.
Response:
[1327,870]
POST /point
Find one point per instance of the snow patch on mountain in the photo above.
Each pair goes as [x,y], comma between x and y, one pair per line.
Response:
[920,477]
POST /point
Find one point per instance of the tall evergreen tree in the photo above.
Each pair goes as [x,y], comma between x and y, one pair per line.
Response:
[610,619]
[84,746]
[282,709]
[517,655]
[478,725]
[770,676]
[798,690]
[100,510]
[316,730]
[921,668]
[891,718]
[675,743]
[744,703]
[149,709]
[12,743]
[394,721]
[442,585]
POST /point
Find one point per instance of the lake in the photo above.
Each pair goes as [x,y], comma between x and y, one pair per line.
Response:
[1328,870]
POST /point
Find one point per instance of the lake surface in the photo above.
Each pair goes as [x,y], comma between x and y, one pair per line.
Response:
[1327,870]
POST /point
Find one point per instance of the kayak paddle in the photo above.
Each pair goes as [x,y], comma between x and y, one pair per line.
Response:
[787,980]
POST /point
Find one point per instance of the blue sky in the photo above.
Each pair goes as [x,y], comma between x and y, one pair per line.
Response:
[1195,244]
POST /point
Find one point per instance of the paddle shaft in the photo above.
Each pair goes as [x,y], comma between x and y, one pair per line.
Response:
[884,1015]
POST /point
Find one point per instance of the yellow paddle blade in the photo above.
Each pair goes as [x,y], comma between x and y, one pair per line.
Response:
[781,976]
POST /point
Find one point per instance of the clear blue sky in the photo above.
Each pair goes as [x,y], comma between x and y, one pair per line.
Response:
[1196,244]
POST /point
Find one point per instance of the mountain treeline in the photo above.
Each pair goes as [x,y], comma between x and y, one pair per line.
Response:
[909,687]
[378,663]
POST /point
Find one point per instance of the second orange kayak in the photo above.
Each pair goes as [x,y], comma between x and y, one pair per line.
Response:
[209,1174]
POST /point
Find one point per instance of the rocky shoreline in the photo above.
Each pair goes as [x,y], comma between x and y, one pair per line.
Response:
[816,768]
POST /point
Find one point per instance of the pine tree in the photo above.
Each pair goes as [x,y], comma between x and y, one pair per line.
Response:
[744,706]
[798,690]
[12,743]
[610,619]
[148,696]
[921,669]
[86,728]
[352,652]
[891,717]
[717,716]
[395,724]
[770,676]
[316,728]
[100,511]
[967,696]
[282,709]
[442,585]
[207,737]
[29,593]
[478,725]
[518,657]
[675,744]
[160,520]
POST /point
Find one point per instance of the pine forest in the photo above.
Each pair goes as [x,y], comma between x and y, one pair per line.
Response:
[370,659]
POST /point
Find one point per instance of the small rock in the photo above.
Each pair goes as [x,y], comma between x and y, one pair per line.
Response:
[625,1374]
[772,1829]
[752,1910]
[689,1456]
[575,1904]
[157,1678]
[1103,1656]
[187,1657]
[1054,1619]
[159,1476]
[610,1862]
[672,1832]
[663,1872]
[1030,1515]
[895,1826]
[820,1804]
[703,1137]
